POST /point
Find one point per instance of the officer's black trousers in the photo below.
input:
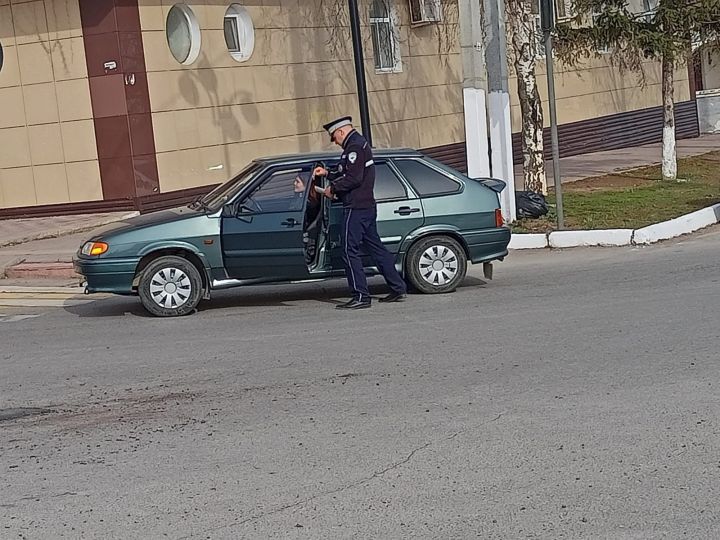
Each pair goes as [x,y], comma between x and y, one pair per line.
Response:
[360,230]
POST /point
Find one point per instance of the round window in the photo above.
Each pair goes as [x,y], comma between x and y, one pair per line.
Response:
[183,34]
[239,32]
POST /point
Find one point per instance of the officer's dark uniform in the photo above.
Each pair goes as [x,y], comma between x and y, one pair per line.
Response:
[353,182]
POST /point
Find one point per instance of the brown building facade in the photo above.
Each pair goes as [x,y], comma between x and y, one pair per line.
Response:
[121,104]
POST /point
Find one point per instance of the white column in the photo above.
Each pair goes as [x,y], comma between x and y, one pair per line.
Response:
[476,136]
[501,150]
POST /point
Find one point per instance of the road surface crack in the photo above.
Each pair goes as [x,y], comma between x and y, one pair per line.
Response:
[353,485]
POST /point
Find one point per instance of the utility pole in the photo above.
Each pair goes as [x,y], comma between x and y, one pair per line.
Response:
[360,71]
[501,156]
[547,20]
[472,52]
[486,97]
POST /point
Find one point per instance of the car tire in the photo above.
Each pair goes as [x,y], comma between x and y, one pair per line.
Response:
[436,264]
[170,287]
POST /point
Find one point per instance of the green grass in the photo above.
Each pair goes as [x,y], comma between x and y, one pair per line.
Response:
[595,204]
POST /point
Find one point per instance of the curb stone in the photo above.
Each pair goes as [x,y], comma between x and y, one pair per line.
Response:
[20,289]
[606,238]
[620,237]
[41,270]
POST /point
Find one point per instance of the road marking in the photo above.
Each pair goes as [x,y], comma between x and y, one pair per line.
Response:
[16,318]
[45,296]
[30,302]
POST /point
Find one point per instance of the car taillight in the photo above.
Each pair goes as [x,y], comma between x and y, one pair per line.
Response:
[499,221]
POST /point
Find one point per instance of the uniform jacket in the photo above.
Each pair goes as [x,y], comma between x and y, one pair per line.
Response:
[353,181]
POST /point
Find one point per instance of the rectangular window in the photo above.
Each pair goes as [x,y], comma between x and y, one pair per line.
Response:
[605,49]
[386,45]
[232,36]
[563,13]
[388,186]
[425,11]
[649,7]
[425,180]
[284,191]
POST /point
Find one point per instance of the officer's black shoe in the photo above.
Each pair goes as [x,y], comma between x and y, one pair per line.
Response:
[354,304]
[394,297]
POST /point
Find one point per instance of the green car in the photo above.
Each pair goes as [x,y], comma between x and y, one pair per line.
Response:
[269,224]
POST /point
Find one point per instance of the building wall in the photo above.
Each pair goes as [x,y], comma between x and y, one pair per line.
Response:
[47,142]
[212,117]
[596,89]
[710,69]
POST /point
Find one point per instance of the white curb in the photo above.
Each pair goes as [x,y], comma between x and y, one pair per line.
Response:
[607,237]
[676,227]
[528,241]
[620,237]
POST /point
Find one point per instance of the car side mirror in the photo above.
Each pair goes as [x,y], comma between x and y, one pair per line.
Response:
[237,210]
[244,213]
[228,211]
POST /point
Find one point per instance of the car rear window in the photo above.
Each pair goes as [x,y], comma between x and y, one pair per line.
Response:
[426,180]
[387,185]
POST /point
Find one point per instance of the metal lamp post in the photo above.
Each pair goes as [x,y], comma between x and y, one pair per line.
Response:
[547,20]
[360,71]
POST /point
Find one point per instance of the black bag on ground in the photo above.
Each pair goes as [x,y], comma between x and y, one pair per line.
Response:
[530,204]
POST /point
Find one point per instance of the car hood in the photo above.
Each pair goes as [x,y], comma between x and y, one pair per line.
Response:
[144,221]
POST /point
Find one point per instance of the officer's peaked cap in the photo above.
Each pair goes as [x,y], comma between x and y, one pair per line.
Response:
[331,127]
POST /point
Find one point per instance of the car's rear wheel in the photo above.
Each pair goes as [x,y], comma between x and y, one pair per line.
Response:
[436,264]
[170,287]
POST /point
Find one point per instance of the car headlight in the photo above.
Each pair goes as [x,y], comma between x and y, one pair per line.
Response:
[94,248]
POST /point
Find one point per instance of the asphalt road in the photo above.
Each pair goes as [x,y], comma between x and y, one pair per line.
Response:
[575,396]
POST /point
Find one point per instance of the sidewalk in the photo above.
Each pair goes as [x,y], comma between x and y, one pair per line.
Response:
[45,246]
[20,231]
[602,163]
[31,249]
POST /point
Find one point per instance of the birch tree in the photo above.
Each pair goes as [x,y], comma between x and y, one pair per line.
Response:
[663,32]
[523,35]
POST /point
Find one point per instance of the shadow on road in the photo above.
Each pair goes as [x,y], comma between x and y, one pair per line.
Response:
[328,292]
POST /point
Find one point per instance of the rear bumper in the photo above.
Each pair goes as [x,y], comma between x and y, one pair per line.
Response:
[107,275]
[487,244]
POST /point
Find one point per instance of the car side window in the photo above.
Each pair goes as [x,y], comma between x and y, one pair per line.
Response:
[425,180]
[387,185]
[284,191]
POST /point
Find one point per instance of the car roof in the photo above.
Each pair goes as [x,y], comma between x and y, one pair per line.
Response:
[324,156]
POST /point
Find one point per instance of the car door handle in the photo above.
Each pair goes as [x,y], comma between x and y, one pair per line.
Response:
[292,222]
[406,210]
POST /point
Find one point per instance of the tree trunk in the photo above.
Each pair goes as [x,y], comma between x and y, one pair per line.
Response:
[522,29]
[669,155]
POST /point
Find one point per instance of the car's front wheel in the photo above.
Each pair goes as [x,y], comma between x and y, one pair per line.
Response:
[436,264]
[170,287]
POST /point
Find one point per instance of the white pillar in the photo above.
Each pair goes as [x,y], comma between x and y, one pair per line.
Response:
[476,136]
[501,150]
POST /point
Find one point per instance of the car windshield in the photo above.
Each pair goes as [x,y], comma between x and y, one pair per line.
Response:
[214,200]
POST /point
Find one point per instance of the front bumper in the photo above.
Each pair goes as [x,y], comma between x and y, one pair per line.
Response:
[107,275]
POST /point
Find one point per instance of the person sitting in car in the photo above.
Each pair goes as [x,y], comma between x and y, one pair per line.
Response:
[298,193]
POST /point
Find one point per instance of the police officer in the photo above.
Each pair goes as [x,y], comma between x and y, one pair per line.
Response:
[352,182]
